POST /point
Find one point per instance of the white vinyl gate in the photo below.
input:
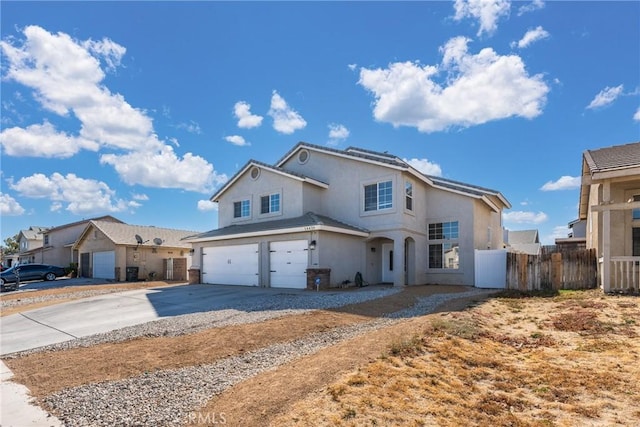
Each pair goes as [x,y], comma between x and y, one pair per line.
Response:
[491,268]
[288,263]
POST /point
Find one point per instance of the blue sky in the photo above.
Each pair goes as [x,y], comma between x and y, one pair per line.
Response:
[141,110]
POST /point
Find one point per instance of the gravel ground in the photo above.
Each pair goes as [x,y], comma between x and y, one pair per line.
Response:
[265,308]
[170,397]
[25,299]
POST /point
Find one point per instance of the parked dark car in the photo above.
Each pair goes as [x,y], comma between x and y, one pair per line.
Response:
[29,272]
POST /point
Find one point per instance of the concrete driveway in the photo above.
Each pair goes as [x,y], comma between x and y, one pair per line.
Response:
[88,316]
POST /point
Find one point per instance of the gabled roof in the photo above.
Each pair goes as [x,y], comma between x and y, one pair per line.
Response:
[33,232]
[307,222]
[125,234]
[605,163]
[389,160]
[72,224]
[275,169]
[351,152]
[611,158]
[516,237]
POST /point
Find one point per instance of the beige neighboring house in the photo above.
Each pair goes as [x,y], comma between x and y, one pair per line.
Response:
[326,214]
[523,241]
[57,242]
[610,209]
[121,252]
[30,245]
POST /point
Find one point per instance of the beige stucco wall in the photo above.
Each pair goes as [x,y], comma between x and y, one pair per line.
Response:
[58,250]
[267,183]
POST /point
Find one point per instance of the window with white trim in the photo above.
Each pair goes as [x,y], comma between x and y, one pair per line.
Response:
[444,248]
[408,195]
[270,203]
[635,213]
[242,209]
[378,196]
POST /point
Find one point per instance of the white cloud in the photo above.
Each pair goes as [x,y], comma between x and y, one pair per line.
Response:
[425,166]
[563,183]
[531,36]
[42,141]
[522,217]
[558,232]
[207,205]
[110,52]
[142,197]
[353,67]
[606,96]
[636,116]
[246,120]
[237,140]
[191,127]
[337,133]
[487,12]
[533,6]
[285,119]
[479,88]
[9,206]
[66,78]
[81,196]
[164,169]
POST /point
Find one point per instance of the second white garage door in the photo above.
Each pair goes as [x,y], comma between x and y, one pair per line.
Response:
[231,265]
[288,263]
[104,265]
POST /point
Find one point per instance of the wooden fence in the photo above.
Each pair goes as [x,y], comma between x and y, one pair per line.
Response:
[553,269]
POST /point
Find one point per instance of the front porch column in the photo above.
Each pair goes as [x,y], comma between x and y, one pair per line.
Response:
[398,261]
[606,238]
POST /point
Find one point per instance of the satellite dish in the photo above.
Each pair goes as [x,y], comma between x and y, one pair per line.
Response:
[157,241]
[139,239]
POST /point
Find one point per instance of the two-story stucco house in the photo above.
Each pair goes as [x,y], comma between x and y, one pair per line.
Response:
[30,243]
[610,210]
[57,242]
[320,209]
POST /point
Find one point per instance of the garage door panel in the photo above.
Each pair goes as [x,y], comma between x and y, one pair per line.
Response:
[104,265]
[231,265]
[288,263]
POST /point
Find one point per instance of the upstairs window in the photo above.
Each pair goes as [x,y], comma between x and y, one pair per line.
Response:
[270,203]
[635,214]
[408,196]
[444,249]
[242,209]
[378,196]
[46,239]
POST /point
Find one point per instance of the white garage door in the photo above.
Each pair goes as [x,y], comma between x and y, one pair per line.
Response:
[288,263]
[104,265]
[231,265]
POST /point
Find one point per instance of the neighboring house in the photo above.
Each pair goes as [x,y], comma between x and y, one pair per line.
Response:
[116,251]
[320,209]
[57,242]
[610,207]
[523,241]
[30,244]
[577,238]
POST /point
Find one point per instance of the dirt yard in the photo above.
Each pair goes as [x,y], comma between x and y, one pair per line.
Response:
[570,359]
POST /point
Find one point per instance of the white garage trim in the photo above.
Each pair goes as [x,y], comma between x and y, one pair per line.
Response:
[288,262]
[231,265]
[104,265]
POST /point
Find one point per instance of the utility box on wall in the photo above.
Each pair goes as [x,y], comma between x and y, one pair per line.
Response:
[318,278]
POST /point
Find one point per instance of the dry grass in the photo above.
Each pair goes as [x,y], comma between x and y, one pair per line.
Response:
[565,360]
[570,360]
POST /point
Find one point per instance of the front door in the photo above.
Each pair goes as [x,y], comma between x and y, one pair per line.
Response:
[387,262]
